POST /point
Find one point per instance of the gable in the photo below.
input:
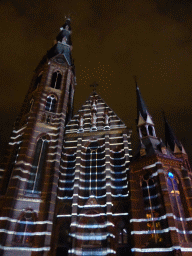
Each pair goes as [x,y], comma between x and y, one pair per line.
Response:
[102,122]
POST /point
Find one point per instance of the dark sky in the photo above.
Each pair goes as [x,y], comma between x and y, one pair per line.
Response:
[112,42]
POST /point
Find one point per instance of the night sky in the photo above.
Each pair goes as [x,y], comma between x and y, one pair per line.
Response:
[112,42]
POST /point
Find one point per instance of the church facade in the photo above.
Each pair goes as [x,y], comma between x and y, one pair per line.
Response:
[69,184]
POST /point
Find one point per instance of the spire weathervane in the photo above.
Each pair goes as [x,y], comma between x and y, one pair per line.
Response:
[94,85]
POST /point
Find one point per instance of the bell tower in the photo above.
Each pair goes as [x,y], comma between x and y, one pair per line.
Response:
[29,176]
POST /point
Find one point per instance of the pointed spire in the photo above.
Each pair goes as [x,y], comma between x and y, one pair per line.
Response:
[177,149]
[170,138]
[141,106]
[143,116]
[183,150]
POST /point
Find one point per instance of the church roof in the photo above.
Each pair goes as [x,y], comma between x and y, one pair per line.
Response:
[101,109]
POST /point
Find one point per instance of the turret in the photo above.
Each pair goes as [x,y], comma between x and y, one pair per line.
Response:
[144,120]
[174,145]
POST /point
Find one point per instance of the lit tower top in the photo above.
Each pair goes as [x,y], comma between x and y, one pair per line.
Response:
[63,44]
[149,143]
[144,120]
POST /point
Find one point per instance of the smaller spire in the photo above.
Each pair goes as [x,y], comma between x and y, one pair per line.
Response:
[143,116]
[141,106]
[170,138]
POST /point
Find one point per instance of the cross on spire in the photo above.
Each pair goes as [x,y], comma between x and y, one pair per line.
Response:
[94,85]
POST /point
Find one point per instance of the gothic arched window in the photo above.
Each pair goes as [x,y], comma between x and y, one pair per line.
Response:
[56,80]
[24,228]
[143,131]
[36,174]
[177,205]
[150,129]
[122,236]
[152,208]
[94,176]
[51,103]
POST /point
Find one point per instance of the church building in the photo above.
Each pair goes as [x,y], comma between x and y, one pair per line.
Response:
[69,184]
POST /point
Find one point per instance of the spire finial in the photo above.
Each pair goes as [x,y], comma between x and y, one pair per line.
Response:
[94,85]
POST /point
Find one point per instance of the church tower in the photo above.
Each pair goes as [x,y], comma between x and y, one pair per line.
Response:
[64,183]
[160,191]
[30,175]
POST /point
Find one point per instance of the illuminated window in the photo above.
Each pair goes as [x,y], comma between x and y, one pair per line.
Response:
[177,204]
[94,177]
[36,174]
[56,80]
[51,103]
[118,163]
[24,228]
[152,208]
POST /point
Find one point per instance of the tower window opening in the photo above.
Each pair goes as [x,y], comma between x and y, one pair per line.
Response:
[51,103]
[24,228]
[36,174]
[150,129]
[143,131]
[56,80]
